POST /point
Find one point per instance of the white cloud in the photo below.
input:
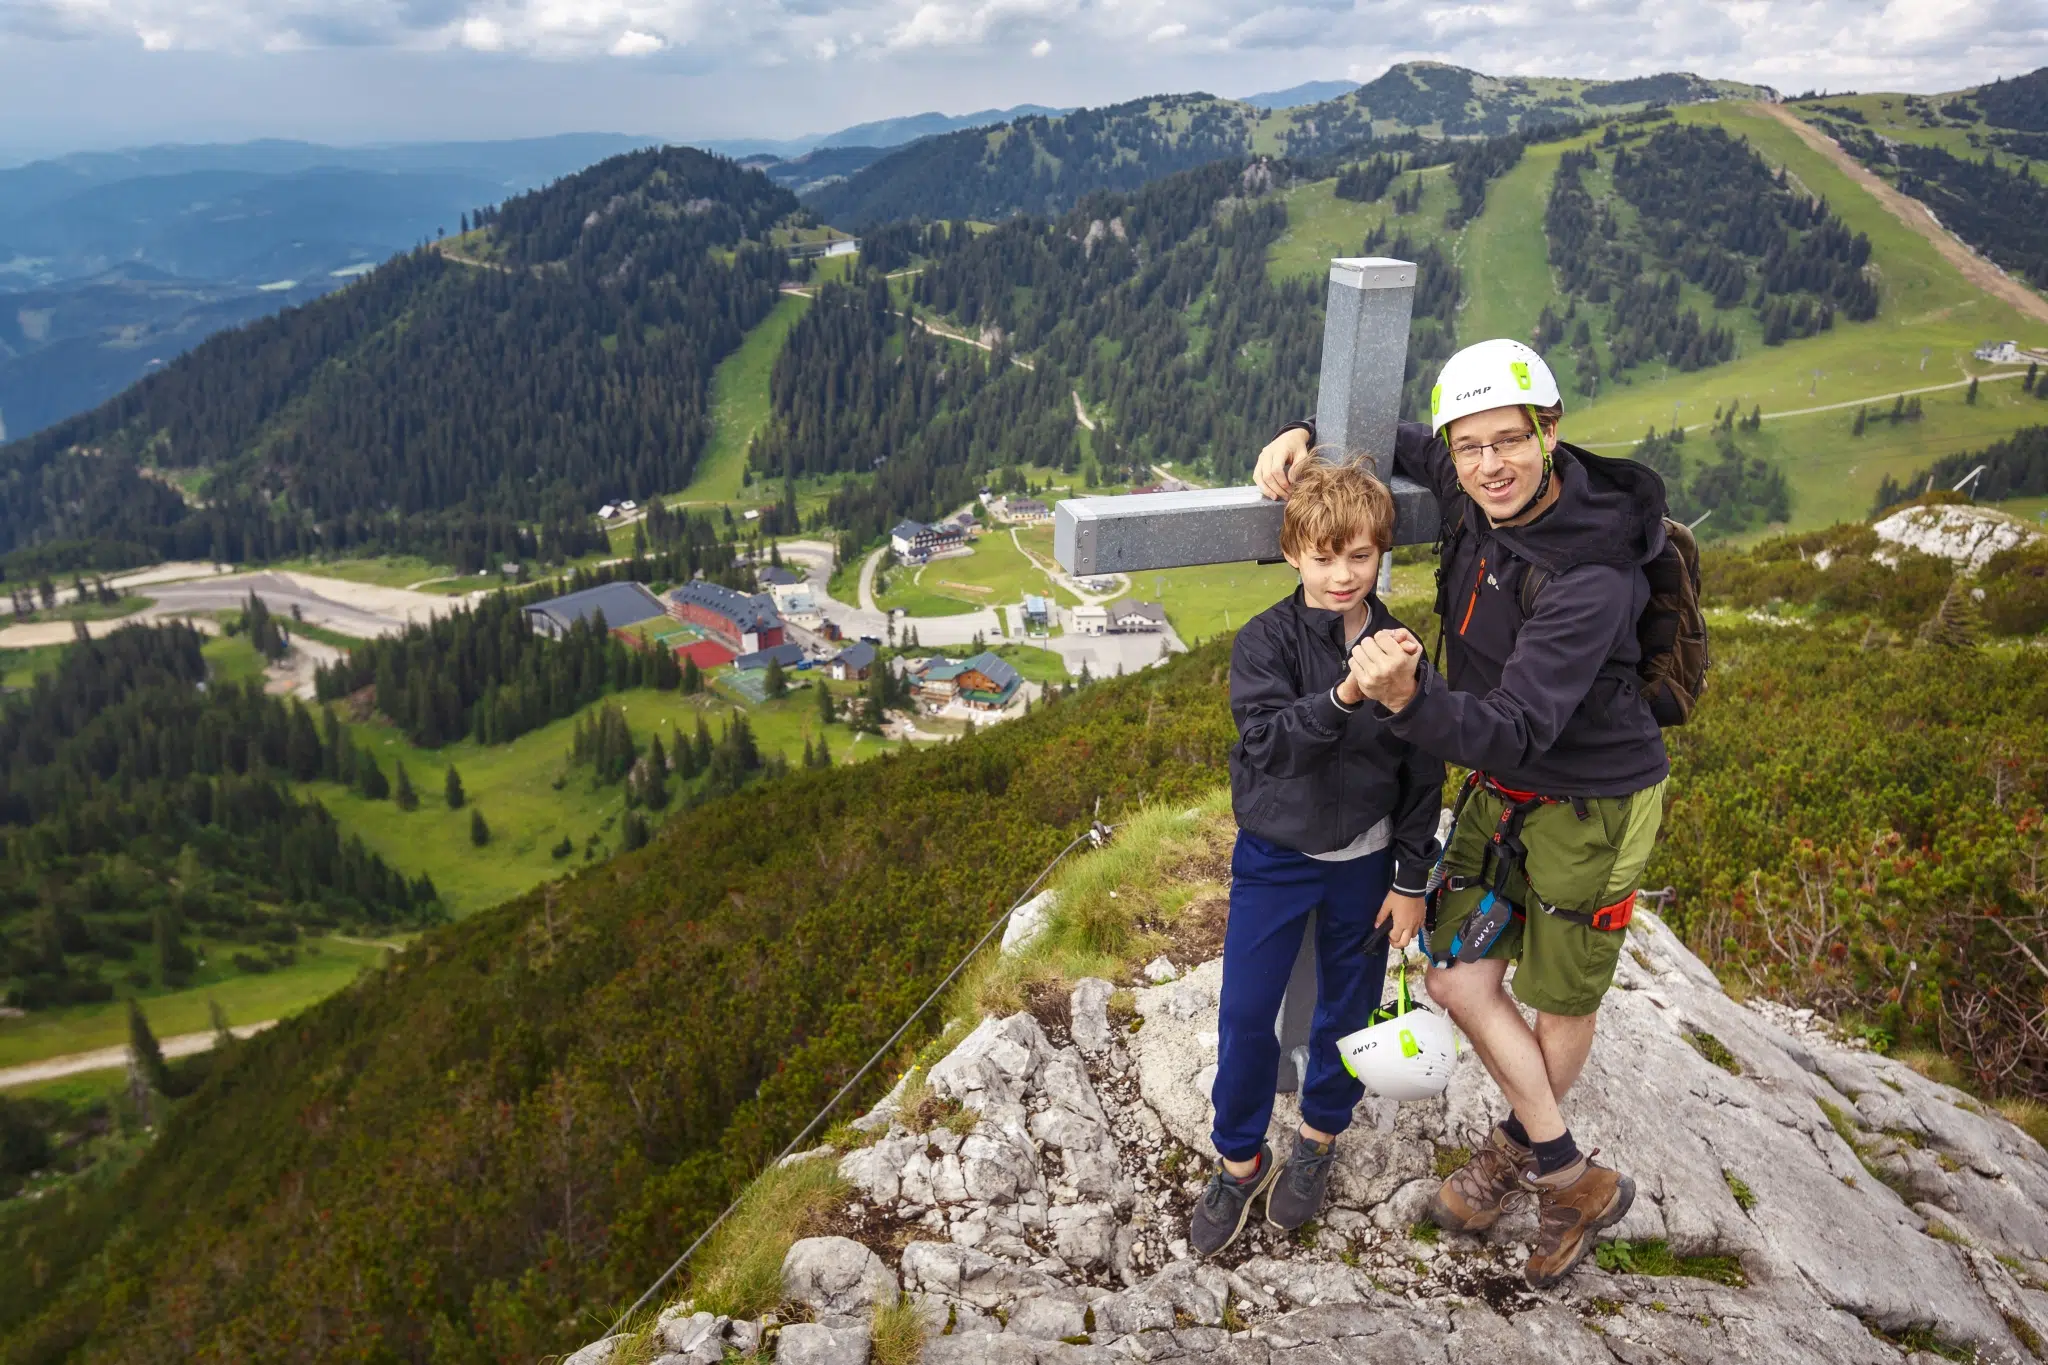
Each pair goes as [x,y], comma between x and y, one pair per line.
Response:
[483,35]
[634,43]
[1143,44]
[1041,47]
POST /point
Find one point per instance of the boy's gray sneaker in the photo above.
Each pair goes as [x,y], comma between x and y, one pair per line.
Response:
[1298,1194]
[1221,1211]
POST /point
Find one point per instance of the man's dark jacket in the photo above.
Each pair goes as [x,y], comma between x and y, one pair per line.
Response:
[1307,774]
[1549,703]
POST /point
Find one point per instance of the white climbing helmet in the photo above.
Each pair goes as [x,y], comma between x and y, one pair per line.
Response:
[1492,374]
[1407,1055]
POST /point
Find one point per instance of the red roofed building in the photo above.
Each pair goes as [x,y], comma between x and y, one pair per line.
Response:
[746,622]
[708,654]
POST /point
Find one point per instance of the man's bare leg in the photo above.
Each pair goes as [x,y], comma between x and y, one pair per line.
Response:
[1533,1067]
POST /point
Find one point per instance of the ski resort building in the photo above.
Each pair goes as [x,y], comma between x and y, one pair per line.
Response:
[744,622]
[622,604]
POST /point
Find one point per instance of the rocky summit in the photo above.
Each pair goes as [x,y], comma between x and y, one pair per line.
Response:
[1800,1199]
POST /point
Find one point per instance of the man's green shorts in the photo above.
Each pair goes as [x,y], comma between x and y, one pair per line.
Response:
[1562,966]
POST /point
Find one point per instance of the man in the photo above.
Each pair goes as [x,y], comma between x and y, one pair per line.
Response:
[1540,587]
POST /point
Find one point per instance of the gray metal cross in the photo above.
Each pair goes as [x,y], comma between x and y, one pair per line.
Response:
[1365,351]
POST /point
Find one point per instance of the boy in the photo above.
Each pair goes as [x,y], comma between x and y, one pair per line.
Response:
[1330,808]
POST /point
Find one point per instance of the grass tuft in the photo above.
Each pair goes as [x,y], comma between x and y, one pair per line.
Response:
[739,1272]
[1451,1160]
[897,1334]
[1714,1050]
[1110,911]
[1425,1233]
[2026,1335]
[1942,1232]
[1935,1066]
[1924,1338]
[2029,1116]
[1657,1258]
[844,1137]
[1745,1197]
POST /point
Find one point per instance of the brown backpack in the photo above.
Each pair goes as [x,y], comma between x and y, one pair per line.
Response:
[1672,630]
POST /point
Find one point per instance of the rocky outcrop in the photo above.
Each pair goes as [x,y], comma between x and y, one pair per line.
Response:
[1967,536]
[1841,1207]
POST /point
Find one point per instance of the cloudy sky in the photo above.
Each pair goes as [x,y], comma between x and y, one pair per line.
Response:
[92,73]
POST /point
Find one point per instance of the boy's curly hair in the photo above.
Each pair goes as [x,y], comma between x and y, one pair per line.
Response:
[1331,504]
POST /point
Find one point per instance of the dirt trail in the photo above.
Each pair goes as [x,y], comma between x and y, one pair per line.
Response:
[107,1058]
[1916,216]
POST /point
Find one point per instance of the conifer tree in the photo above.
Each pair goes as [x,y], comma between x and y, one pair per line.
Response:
[810,754]
[402,794]
[452,789]
[174,960]
[776,684]
[370,780]
[479,832]
[654,786]
[1971,395]
[693,677]
[827,712]
[144,1054]
[824,753]
[1958,623]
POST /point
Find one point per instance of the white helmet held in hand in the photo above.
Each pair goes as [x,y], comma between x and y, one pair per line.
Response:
[1407,1055]
[1491,374]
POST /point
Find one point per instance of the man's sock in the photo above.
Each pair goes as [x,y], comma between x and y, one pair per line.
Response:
[1556,1154]
[1258,1164]
[1512,1126]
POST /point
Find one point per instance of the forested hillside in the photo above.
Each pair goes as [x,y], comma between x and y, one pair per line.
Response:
[1974,157]
[860,389]
[444,405]
[1046,165]
[533,1110]
[137,808]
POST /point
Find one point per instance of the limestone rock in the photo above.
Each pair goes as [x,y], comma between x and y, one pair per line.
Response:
[809,1343]
[1061,1209]
[1088,1007]
[1966,536]
[596,1353]
[1028,921]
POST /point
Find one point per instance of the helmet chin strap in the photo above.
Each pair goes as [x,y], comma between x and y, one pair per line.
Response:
[1542,485]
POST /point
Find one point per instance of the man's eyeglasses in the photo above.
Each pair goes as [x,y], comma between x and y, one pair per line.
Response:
[1507,446]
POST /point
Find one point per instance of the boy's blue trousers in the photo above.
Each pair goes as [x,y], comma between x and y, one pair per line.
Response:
[1272,892]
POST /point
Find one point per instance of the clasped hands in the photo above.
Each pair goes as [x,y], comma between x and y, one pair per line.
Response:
[1384,667]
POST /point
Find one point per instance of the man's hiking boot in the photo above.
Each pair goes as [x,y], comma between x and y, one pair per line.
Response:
[1470,1200]
[1298,1194]
[1221,1211]
[1572,1205]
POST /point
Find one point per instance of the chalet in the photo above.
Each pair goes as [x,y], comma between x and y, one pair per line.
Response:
[854,663]
[2001,352]
[779,576]
[913,540]
[986,682]
[1037,613]
[1128,616]
[743,622]
[788,655]
[1026,509]
[1090,621]
[629,506]
[607,512]
[621,604]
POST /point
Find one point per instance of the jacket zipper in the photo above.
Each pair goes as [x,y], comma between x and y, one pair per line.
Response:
[1477,579]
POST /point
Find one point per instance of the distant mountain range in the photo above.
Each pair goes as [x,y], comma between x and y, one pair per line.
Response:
[888,132]
[1045,164]
[1294,96]
[112,262]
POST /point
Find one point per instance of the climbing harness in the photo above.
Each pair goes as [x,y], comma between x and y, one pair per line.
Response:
[1480,929]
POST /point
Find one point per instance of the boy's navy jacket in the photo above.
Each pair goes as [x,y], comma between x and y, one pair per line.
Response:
[1545,703]
[1305,773]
